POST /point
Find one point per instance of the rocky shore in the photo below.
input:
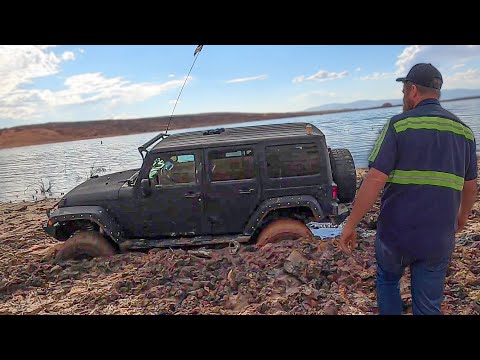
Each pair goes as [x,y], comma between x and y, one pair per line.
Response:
[307,276]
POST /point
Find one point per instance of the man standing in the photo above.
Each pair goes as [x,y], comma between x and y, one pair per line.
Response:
[425,159]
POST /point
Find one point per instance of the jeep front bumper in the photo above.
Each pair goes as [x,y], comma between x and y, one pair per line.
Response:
[50,230]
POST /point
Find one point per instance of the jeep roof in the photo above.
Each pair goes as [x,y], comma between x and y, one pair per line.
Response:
[235,136]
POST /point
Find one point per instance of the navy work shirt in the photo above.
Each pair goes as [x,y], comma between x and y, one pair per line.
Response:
[427,153]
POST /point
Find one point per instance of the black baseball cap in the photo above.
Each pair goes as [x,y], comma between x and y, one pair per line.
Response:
[424,74]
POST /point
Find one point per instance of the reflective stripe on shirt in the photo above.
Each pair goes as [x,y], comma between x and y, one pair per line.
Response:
[433,123]
[418,177]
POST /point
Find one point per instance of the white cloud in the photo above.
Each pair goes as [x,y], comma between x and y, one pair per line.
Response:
[171,75]
[446,58]
[407,57]
[298,79]
[439,55]
[378,76]
[313,95]
[457,66]
[92,87]
[469,79]
[466,75]
[20,64]
[121,116]
[321,75]
[358,69]
[245,79]
[68,55]
[81,51]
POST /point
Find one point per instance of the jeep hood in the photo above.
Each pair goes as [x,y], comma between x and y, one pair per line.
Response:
[98,189]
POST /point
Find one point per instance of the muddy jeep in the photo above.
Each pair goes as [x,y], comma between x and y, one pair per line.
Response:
[256,184]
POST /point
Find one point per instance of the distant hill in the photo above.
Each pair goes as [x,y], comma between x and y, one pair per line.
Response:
[359,104]
[69,131]
[448,94]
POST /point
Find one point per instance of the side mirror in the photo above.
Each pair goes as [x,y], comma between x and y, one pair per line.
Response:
[145,187]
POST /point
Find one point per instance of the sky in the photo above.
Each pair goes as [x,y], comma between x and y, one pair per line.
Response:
[48,83]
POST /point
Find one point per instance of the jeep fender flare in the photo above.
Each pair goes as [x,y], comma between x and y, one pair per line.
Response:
[96,214]
[283,202]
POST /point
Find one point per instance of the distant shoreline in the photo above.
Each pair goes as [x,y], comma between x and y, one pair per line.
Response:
[82,130]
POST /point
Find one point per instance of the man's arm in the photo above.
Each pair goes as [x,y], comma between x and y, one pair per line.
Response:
[366,197]
[469,192]
[469,195]
[382,161]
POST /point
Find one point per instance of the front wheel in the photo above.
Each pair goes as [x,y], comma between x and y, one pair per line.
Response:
[283,229]
[85,245]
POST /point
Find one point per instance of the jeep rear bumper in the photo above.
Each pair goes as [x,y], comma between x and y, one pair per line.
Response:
[339,213]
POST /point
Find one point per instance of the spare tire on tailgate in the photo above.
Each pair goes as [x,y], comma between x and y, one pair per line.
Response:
[344,174]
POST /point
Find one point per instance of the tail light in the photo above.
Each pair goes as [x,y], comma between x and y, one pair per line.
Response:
[334,191]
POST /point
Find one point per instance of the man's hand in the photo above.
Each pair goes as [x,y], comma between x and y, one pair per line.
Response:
[348,239]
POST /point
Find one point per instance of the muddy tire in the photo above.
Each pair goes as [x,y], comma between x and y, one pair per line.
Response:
[344,174]
[84,245]
[283,229]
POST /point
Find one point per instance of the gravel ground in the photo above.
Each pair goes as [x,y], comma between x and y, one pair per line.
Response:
[307,276]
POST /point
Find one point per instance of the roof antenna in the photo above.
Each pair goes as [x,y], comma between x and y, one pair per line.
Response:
[195,54]
[143,150]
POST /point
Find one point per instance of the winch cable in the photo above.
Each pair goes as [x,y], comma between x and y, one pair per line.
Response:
[195,54]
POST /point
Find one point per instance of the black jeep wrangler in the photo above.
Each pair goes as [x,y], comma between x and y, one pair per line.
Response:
[258,183]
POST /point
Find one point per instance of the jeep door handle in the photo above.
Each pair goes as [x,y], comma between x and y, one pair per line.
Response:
[192,195]
[245,191]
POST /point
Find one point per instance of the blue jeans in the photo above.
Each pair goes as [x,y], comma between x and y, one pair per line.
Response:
[427,281]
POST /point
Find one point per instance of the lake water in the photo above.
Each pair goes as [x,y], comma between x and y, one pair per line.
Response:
[69,163]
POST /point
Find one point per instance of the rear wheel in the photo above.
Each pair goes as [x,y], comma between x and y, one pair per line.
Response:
[344,174]
[283,229]
[85,245]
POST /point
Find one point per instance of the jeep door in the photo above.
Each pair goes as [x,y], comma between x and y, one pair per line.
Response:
[174,206]
[294,169]
[232,188]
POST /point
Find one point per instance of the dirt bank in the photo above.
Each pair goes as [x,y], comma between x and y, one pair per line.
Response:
[302,277]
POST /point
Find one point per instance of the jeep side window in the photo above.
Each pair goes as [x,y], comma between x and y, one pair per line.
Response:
[231,165]
[292,160]
[171,169]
